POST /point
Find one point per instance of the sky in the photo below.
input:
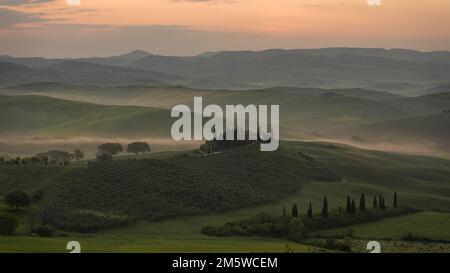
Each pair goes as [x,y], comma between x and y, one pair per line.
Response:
[84,28]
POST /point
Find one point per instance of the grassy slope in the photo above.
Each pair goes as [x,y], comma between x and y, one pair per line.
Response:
[55,117]
[29,178]
[304,112]
[432,225]
[421,181]
[433,127]
[43,116]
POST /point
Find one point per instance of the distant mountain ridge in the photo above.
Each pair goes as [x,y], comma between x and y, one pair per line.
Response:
[398,71]
[80,72]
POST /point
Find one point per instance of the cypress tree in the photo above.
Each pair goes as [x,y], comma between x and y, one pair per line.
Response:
[309,212]
[294,211]
[395,200]
[284,211]
[383,205]
[375,203]
[353,207]
[379,201]
[362,203]
[348,209]
[325,208]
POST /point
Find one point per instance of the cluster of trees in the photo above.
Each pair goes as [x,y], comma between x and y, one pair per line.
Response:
[107,151]
[16,200]
[378,203]
[262,224]
[216,145]
[54,157]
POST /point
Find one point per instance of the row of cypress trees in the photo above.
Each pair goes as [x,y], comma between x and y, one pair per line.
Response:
[378,203]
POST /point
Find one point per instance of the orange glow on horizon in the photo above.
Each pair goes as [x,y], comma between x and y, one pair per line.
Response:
[318,23]
[289,17]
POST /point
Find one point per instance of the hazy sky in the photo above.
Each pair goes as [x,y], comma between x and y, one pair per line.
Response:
[53,28]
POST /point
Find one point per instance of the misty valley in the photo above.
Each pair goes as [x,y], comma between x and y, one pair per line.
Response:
[89,153]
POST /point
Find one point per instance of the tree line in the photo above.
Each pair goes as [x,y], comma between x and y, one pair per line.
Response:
[107,151]
[63,158]
[378,203]
[296,227]
[53,157]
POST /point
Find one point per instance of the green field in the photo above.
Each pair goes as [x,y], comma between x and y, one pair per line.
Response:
[430,225]
[177,235]
[48,117]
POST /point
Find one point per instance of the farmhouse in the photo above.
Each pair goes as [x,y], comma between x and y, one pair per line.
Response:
[236,118]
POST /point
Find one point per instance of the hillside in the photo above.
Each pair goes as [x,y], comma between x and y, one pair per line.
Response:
[430,225]
[376,117]
[294,68]
[43,116]
[432,129]
[134,94]
[86,73]
[111,193]
[422,182]
[11,73]
[304,112]
[80,72]
[425,104]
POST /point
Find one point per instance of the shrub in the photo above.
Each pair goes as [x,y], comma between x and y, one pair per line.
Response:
[336,245]
[18,199]
[296,229]
[8,224]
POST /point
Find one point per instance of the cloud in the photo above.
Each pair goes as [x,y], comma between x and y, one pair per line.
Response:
[10,18]
[22,2]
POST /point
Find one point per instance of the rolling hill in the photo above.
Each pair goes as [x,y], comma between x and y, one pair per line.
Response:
[11,74]
[424,105]
[305,113]
[422,129]
[105,193]
[366,118]
[160,96]
[43,116]
[397,70]
[420,181]
[86,73]
[301,115]
[294,68]
[80,72]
